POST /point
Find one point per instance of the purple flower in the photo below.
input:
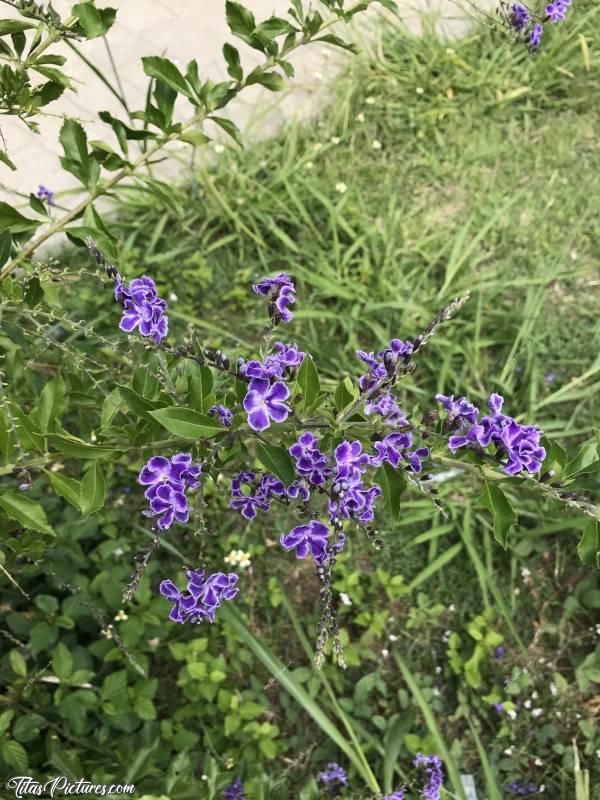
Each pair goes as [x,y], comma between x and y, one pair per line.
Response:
[224,414]
[298,491]
[550,377]
[535,37]
[142,308]
[499,653]
[519,16]
[499,707]
[391,449]
[386,405]
[167,481]
[281,293]
[247,504]
[556,11]
[519,443]
[43,193]
[235,791]
[202,596]
[459,409]
[521,788]
[311,463]
[334,777]
[435,776]
[399,795]
[305,539]
[350,458]
[288,355]
[264,402]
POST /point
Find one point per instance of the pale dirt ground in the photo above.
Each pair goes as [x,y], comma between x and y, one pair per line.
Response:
[181,30]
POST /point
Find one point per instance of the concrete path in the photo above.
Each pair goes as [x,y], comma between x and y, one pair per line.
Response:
[182,30]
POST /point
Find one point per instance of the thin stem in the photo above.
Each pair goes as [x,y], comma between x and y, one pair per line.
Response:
[99,74]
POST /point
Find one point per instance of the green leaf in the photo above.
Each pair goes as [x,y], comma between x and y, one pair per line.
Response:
[167,72]
[5,245]
[13,754]
[588,548]
[187,423]
[11,218]
[51,404]
[9,26]
[138,404]
[93,490]
[27,727]
[270,80]
[26,512]
[6,160]
[276,460]
[232,57]
[240,19]
[62,662]
[94,21]
[114,685]
[69,488]
[76,159]
[76,448]
[392,482]
[337,42]
[344,394]
[17,663]
[230,128]
[307,381]
[144,708]
[201,386]
[494,500]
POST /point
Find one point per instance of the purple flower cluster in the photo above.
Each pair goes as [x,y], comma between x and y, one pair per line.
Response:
[310,538]
[521,788]
[142,308]
[435,776]
[557,10]
[520,20]
[43,193]
[167,480]
[247,503]
[520,444]
[235,791]
[394,447]
[202,596]
[281,293]
[267,393]
[311,463]
[264,402]
[399,795]
[223,413]
[334,777]
[349,495]
[383,402]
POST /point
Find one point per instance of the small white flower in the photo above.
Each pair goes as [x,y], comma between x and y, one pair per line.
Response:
[385,653]
[121,616]
[420,90]
[118,551]
[309,165]
[438,670]
[517,590]
[335,140]
[541,660]
[204,777]
[93,437]
[451,607]
[527,703]
[509,751]
[173,297]
[341,187]
[154,642]
[553,689]
[597,753]
[538,762]
[436,692]
[577,716]
[360,117]
[542,788]
[525,573]
[346,600]
[536,712]
[219,148]
[558,714]
[392,637]
[511,714]
[108,631]
[534,695]
[376,144]
[370,101]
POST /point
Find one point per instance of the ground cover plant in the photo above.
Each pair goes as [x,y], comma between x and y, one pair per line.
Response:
[484,162]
